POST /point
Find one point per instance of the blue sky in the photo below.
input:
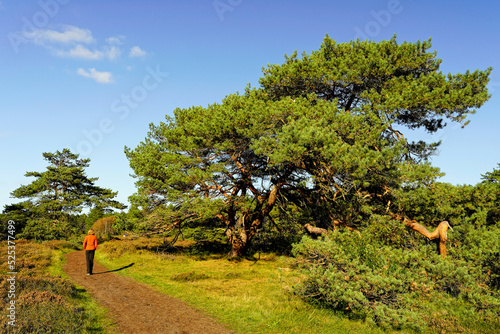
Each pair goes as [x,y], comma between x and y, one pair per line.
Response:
[91,75]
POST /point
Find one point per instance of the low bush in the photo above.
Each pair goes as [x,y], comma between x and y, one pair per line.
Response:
[115,249]
[398,288]
[62,244]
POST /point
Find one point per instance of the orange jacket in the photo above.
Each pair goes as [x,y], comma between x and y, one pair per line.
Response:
[90,242]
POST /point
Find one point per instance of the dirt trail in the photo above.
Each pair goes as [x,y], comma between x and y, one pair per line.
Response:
[135,307]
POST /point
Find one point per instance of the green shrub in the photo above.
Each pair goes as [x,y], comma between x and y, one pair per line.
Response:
[493,216]
[389,232]
[349,275]
[491,266]
[480,248]
[46,229]
[391,286]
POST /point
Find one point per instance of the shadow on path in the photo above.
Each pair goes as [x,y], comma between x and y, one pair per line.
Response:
[112,271]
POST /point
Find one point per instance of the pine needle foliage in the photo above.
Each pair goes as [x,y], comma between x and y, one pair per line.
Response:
[324,132]
[368,278]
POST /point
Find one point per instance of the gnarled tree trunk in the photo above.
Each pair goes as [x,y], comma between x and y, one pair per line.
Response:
[239,243]
[439,234]
[238,237]
[240,234]
[241,231]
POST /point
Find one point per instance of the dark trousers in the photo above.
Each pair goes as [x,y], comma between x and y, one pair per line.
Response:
[89,255]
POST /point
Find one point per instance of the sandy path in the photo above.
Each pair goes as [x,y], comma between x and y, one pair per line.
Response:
[135,307]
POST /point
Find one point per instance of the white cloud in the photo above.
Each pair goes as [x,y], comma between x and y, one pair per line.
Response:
[69,41]
[73,42]
[100,77]
[137,52]
[116,40]
[81,52]
[68,35]
[113,52]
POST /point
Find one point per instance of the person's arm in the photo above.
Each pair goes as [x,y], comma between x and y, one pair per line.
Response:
[84,242]
[95,243]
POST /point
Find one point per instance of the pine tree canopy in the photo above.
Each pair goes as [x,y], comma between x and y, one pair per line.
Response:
[318,133]
[64,187]
[492,177]
[399,83]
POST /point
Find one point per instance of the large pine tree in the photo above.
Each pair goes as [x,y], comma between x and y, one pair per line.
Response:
[320,133]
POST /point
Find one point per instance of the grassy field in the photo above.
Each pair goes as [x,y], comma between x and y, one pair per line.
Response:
[46,301]
[256,295]
[252,296]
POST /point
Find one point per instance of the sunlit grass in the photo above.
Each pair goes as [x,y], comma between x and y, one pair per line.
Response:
[249,296]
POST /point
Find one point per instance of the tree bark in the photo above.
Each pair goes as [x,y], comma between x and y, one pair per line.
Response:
[314,230]
[239,243]
[440,233]
[239,234]
[241,231]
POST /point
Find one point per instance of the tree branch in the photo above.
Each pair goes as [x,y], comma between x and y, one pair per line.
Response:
[440,233]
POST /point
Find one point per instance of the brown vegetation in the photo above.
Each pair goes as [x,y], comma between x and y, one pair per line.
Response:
[44,303]
[104,226]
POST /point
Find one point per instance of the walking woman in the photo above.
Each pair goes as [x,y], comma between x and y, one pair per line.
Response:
[90,245]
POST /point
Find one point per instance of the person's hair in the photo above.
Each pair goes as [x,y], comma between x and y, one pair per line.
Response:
[91,231]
